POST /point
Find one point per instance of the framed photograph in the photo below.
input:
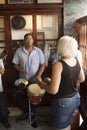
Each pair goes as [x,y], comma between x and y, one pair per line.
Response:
[47,21]
[41,40]
[41,35]
[1,23]
[2,35]
[20,1]
[40,44]
[2,1]
[49,1]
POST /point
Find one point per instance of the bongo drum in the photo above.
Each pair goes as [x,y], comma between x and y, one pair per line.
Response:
[21,83]
[35,93]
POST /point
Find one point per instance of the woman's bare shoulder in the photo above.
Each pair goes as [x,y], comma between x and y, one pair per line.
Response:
[57,66]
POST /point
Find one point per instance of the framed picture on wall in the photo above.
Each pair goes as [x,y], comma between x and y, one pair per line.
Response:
[49,1]
[20,1]
[1,22]
[47,21]
[41,40]
[41,35]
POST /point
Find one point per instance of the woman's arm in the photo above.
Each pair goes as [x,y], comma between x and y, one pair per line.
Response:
[55,79]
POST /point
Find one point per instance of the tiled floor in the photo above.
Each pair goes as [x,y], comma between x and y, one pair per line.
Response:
[44,112]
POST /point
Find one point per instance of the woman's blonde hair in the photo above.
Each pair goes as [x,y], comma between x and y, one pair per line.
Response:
[67,46]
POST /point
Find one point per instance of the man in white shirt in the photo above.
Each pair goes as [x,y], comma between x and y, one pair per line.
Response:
[29,61]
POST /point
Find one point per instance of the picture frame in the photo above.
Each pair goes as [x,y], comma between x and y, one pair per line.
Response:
[41,35]
[47,21]
[49,1]
[41,40]
[2,34]
[1,22]
[20,1]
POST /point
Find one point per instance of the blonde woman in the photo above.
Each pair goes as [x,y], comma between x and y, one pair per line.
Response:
[65,74]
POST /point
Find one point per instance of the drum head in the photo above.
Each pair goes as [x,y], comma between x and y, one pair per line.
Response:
[35,90]
[18,81]
[35,93]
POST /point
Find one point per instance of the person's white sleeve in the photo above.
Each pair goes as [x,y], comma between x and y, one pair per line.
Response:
[1,63]
[79,56]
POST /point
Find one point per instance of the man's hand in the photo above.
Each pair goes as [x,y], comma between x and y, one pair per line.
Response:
[38,80]
[23,72]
